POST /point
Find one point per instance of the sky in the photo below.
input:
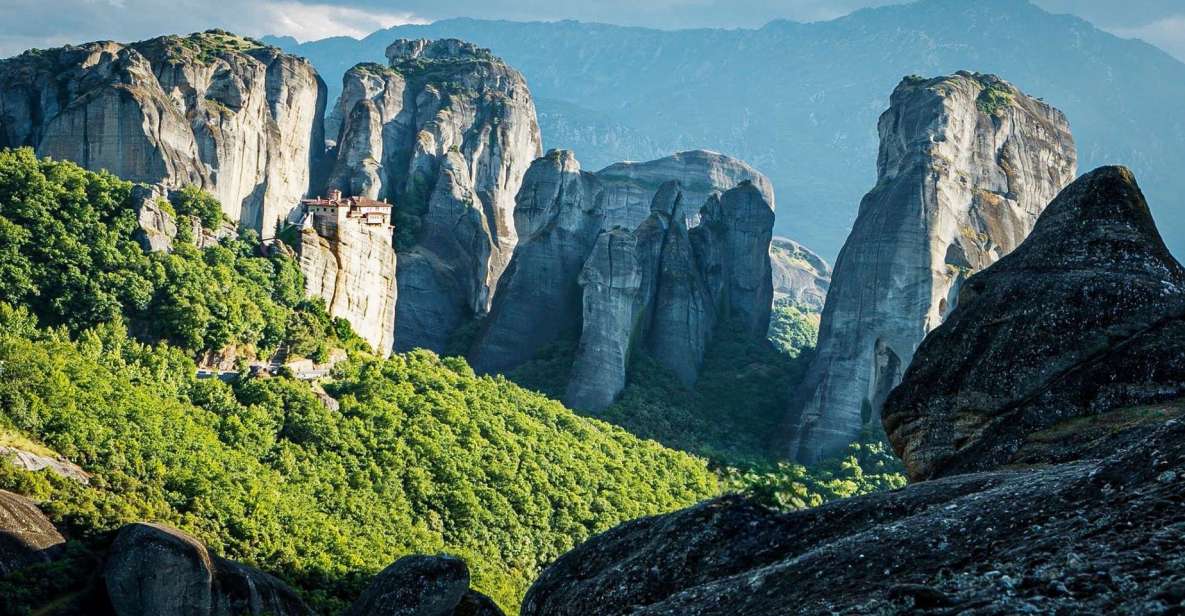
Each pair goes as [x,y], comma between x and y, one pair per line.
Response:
[48,23]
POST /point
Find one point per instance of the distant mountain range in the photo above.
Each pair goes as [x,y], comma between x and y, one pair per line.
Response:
[800,101]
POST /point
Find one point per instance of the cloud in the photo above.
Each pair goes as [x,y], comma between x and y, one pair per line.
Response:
[314,21]
[1167,33]
[49,23]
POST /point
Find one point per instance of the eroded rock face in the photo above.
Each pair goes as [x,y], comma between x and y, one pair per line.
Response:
[631,186]
[966,165]
[587,266]
[423,586]
[352,267]
[445,132]
[559,216]
[1087,536]
[240,120]
[1086,316]
[153,569]
[618,283]
[27,537]
[664,289]
[799,275]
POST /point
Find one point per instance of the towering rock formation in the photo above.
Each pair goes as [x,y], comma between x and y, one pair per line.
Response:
[630,186]
[348,259]
[1086,316]
[967,163]
[800,275]
[589,268]
[241,120]
[559,216]
[665,289]
[1045,414]
[618,284]
[445,132]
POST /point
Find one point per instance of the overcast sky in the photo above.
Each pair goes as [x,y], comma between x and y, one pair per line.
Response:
[46,23]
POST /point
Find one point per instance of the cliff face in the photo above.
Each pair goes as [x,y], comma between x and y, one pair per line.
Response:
[559,216]
[352,267]
[631,186]
[661,282]
[664,289]
[967,163]
[238,119]
[800,275]
[1086,317]
[445,132]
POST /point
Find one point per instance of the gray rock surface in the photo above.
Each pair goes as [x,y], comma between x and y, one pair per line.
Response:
[153,570]
[157,228]
[618,284]
[352,267]
[423,586]
[445,132]
[799,275]
[1085,317]
[967,163]
[664,289]
[565,280]
[228,114]
[1097,536]
[558,215]
[631,186]
[27,537]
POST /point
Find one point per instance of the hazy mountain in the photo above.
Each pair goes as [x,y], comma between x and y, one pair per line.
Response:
[800,101]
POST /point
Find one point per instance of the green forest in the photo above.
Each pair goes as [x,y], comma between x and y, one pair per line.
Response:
[416,454]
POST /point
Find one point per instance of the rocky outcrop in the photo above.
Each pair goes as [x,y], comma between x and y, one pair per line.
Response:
[352,267]
[35,461]
[156,227]
[1085,317]
[559,215]
[446,132]
[228,114]
[800,276]
[27,537]
[567,280]
[423,586]
[153,569]
[665,289]
[1083,537]
[630,186]
[157,223]
[967,163]
[618,283]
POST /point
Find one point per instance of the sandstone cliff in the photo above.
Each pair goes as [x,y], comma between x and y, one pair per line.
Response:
[240,120]
[1050,412]
[352,267]
[967,163]
[1085,317]
[586,266]
[800,275]
[446,132]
